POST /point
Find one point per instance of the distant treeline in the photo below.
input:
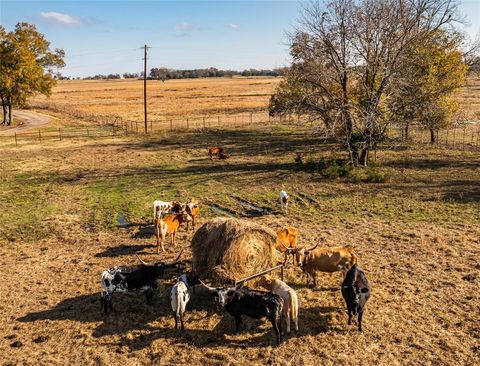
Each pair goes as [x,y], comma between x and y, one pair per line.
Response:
[163,73]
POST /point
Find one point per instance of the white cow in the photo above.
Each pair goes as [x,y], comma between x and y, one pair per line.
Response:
[284,198]
[179,298]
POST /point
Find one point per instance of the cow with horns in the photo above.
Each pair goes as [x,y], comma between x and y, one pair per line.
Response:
[134,278]
[240,301]
[324,259]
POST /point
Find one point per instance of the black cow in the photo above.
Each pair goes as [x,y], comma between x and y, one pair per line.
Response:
[356,292]
[240,301]
[133,278]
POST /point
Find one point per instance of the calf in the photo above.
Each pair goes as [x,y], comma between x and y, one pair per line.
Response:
[240,301]
[288,295]
[326,259]
[161,208]
[192,210]
[284,198]
[179,298]
[356,292]
[168,225]
[287,238]
[133,278]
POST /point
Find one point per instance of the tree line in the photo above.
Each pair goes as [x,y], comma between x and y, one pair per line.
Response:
[26,66]
[361,65]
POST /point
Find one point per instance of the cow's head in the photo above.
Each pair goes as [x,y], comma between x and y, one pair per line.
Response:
[353,297]
[222,294]
[300,253]
[160,267]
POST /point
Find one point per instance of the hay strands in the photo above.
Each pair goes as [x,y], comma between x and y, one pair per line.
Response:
[239,282]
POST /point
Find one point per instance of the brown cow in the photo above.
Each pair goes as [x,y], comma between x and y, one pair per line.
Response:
[215,151]
[168,225]
[325,259]
[287,238]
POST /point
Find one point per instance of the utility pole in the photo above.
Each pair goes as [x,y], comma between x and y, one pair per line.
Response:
[145,87]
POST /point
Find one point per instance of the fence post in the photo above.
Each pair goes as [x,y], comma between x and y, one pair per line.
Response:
[16,143]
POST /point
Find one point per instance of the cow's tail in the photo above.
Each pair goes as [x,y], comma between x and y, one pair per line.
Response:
[293,305]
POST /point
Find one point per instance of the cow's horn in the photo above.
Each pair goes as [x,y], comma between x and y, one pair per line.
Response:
[178,257]
[211,289]
[287,249]
[312,248]
[140,259]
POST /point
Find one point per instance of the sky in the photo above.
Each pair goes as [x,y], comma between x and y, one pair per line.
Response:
[102,37]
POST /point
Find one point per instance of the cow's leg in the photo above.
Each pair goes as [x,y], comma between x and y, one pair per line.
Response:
[277,327]
[287,320]
[157,235]
[238,323]
[360,316]
[285,258]
[176,320]
[349,316]
[295,321]
[181,321]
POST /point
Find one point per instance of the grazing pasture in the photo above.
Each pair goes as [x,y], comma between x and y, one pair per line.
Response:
[71,209]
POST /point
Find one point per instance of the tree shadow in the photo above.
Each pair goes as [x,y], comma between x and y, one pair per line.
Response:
[125,249]
[145,231]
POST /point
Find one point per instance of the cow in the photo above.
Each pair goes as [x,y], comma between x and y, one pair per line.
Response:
[161,208]
[168,226]
[239,301]
[356,292]
[324,259]
[288,295]
[284,198]
[192,210]
[215,151]
[133,278]
[179,298]
[287,238]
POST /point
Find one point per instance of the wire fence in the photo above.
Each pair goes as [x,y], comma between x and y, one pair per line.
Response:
[461,136]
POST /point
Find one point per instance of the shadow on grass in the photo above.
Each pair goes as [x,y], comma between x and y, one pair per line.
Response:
[125,249]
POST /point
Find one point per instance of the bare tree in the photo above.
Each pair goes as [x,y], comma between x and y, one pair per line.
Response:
[345,56]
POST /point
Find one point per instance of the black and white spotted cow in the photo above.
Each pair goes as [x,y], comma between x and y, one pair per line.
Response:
[133,278]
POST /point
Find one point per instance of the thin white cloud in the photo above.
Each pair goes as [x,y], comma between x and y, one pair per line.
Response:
[233,26]
[60,18]
[184,27]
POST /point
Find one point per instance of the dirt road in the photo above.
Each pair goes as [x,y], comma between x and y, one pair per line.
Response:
[30,120]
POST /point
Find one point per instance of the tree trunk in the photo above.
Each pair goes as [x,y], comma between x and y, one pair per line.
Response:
[9,105]
[432,136]
[4,107]
[363,159]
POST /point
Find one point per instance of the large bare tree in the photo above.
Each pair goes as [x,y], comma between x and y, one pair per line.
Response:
[346,54]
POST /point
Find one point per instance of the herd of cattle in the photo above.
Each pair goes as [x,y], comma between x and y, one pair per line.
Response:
[279,301]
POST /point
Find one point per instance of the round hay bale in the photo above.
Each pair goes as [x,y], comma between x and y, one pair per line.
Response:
[227,249]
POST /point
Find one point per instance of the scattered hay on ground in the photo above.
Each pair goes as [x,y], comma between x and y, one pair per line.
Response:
[225,249]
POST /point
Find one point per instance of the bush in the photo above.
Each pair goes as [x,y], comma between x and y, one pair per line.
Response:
[374,174]
[334,168]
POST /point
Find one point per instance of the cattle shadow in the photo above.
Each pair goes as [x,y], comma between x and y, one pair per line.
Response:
[125,249]
[145,231]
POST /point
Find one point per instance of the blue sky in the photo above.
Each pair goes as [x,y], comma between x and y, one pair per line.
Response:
[102,37]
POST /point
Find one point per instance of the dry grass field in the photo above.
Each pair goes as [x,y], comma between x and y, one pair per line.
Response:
[173,98]
[417,236]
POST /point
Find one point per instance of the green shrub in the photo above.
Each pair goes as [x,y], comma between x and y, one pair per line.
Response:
[374,174]
[334,168]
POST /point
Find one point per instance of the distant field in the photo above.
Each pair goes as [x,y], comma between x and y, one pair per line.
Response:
[173,98]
